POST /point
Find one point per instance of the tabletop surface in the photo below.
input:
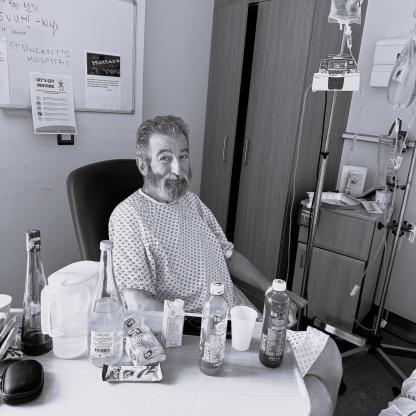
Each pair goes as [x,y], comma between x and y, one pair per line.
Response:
[244,387]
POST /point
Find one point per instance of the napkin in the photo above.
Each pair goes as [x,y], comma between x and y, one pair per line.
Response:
[307,346]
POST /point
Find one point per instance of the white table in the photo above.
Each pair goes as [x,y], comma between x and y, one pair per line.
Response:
[244,387]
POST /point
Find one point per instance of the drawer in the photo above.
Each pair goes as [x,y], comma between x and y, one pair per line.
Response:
[344,234]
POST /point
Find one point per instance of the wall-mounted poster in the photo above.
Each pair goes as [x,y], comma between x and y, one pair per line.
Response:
[102,81]
[52,100]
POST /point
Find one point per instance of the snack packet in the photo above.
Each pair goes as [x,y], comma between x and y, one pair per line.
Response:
[145,373]
[141,345]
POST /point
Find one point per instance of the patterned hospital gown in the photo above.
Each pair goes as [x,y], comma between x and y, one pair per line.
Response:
[171,250]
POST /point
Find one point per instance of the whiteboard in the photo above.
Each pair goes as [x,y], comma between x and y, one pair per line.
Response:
[54,36]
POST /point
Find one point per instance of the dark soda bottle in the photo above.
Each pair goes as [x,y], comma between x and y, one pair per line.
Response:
[275,315]
[34,342]
[213,331]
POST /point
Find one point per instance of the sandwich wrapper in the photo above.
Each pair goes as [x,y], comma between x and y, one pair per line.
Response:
[307,346]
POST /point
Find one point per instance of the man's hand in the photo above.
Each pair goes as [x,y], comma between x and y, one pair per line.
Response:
[291,321]
[141,300]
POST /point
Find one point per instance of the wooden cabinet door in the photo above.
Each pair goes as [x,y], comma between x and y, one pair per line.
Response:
[227,50]
[277,82]
[332,277]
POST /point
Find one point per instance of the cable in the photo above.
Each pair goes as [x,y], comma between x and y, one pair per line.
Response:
[298,140]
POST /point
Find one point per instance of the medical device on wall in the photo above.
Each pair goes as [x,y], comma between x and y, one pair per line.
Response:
[337,72]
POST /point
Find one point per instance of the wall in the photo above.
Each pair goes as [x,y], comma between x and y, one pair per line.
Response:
[33,169]
[384,19]
[176,67]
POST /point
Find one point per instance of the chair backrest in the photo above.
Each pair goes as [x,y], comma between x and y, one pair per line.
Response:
[94,191]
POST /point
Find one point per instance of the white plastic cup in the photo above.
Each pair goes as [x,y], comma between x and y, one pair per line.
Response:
[243,319]
[5,301]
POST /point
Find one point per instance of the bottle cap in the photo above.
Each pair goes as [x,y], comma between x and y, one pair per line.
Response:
[216,288]
[279,285]
[179,303]
[33,240]
[106,245]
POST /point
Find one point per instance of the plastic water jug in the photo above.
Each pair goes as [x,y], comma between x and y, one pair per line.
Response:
[66,302]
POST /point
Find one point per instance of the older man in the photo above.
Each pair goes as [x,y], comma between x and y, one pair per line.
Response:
[167,243]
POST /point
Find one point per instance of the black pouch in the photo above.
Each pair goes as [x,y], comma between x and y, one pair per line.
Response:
[21,381]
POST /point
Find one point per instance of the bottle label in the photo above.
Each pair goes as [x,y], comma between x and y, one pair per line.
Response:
[102,344]
[274,336]
[213,345]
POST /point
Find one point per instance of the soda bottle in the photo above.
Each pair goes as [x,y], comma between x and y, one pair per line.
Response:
[105,333]
[34,342]
[213,331]
[275,315]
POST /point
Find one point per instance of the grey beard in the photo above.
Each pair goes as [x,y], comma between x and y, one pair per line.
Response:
[172,189]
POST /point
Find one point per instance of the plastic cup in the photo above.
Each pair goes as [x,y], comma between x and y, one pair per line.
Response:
[243,319]
[5,301]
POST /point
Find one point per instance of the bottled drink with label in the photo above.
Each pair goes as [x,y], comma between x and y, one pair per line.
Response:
[34,342]
[105,332]
[275,315]
[213,331]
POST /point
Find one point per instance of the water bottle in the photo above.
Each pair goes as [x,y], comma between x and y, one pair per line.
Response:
[275,316]
[34,342]
[213,331]
[105,332]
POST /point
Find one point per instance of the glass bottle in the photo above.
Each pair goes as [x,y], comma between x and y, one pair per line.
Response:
[105,332]
[34,342]
[275,316]
[213,331]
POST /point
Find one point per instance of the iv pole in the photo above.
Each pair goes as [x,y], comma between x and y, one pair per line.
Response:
[374,341]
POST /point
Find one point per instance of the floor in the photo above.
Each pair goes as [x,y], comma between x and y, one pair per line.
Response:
[369,383]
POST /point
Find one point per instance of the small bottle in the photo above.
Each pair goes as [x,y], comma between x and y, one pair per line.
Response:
[275,315]
[34,342]
[105,332]
[213,331]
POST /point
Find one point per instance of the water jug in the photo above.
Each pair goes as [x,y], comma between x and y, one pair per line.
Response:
[66,301]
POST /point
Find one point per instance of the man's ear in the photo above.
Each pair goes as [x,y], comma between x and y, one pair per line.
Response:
[142,165]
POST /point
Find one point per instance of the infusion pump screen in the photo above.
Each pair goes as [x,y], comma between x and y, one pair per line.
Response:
[338,64]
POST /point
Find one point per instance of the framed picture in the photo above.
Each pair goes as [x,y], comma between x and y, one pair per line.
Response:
[352,180]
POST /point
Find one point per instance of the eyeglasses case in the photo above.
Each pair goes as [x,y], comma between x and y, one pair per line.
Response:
[21,381]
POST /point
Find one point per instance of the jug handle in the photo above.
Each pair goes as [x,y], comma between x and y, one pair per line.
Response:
[45,316]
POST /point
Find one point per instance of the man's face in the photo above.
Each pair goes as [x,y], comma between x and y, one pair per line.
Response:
[166,171]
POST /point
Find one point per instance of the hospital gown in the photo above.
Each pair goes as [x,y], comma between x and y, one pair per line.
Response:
[172,250]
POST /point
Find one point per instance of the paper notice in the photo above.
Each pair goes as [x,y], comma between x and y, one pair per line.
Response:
[102,81]
[52,103]
[4,73]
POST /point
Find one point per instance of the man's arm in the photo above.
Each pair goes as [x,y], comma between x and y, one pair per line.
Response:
[141,300]
[243,269]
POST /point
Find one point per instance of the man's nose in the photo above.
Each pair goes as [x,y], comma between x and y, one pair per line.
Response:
[175,166]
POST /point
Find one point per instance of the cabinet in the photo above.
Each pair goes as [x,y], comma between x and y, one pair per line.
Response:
[263,56]
[346,252]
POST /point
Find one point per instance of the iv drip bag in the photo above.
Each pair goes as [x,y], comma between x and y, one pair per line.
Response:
[345,12]
[401,89]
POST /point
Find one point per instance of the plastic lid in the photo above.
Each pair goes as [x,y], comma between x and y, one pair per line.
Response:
[216,288]
[106,245]
[179,303]
[279,285]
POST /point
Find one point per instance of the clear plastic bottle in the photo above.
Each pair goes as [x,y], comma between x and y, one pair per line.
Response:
[34,342]
[213,331]
[105,332]
[275,316]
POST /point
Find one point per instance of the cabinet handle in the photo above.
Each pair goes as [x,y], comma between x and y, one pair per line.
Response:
[302,259]
[224,148]
[245,157]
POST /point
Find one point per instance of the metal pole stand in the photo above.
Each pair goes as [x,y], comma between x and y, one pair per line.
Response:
[374,343]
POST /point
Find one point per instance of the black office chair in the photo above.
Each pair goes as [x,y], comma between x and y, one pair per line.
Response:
[94,191]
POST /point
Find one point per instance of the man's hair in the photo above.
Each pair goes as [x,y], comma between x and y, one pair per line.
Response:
[171,126]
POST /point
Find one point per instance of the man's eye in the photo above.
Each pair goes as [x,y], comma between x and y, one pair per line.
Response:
[164,158]
[184,157]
